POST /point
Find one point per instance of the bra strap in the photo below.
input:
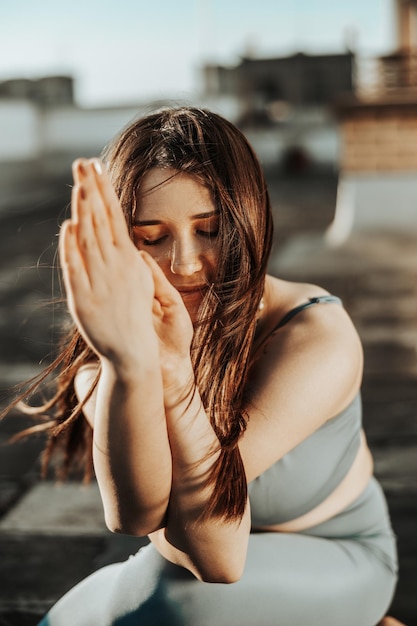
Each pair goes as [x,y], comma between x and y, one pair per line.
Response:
[311,302]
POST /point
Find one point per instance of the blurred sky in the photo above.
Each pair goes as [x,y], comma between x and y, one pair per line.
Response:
[124,51]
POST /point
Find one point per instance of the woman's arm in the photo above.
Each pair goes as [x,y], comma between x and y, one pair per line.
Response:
[110,295]
[131,452]
[307,373]
[154,446]
[213,551]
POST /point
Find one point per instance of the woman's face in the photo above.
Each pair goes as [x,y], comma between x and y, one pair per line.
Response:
[177,223]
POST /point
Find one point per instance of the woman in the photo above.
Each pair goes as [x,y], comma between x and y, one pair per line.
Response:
[224,403]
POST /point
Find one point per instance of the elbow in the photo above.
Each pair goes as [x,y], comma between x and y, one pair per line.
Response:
[226,566]
[120,526]
[226,574]
[226,578]
[135,530]
[137,525]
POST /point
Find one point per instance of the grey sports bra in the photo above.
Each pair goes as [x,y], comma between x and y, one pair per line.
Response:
[309,473]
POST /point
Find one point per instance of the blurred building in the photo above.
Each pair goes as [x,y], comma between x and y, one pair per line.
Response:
[300,80]
[49,90]
[284,106]
[378,181]
[42,129]
[399,69]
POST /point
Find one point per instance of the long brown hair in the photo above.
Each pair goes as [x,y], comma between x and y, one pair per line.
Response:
[211,149]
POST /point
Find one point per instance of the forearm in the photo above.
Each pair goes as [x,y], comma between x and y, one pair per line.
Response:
[213,552]
[213,549]
[131,451]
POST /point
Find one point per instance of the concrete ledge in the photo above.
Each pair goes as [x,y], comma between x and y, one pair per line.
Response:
[57,509]
[374,202]
[309,255]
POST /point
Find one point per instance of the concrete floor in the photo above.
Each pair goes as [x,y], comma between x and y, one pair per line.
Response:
[51,536]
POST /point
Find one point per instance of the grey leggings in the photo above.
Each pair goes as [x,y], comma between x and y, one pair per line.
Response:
[339,573]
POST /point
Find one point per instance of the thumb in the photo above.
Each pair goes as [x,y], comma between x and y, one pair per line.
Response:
[164,291]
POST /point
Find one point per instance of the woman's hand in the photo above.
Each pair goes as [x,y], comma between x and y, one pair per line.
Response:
[174,329]
[110,288]
[118,297]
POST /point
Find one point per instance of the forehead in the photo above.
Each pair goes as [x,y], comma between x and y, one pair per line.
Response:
[167,191]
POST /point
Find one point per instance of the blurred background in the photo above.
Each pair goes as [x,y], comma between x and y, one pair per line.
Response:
[327,94]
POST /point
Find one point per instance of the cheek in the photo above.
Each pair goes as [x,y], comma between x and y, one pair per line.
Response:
[165,265]
[212,257]
[161,253]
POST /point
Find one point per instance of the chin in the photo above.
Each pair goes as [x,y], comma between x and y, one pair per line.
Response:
[192,303]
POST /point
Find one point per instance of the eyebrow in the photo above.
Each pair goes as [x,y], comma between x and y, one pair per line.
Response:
[199,216]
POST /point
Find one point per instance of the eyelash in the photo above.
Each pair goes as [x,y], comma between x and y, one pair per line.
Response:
[208,234]
[152,242]
[201,233]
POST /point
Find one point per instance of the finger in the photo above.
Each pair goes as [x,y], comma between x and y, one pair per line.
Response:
[74,203]
[78,174]
[78,170]
[99,216]
[111,202]
[164,291]
[77,285]
[84,177]
[75,278]
[86,237]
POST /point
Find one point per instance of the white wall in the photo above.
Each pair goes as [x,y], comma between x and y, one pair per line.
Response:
[37,142]
[321,143]
[378,202]
[30,132]
[19,130]
[53,136]
[67,129]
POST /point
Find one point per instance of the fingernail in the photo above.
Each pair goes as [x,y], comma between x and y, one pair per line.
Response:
[97,166]
[83,192]
[81,168]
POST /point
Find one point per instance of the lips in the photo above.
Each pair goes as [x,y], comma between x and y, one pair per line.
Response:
[191,289]
[192,292]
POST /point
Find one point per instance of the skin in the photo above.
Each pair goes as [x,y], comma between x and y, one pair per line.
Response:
[181,234]
[134,304]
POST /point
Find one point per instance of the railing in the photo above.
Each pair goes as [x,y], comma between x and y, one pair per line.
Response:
[381,76]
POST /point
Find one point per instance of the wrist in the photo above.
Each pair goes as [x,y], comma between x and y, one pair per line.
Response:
[178,381]
[127,365]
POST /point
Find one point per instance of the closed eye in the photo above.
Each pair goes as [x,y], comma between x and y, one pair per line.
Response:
[153,242]
[208,234]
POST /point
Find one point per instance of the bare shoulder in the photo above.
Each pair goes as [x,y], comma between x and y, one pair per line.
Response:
[283,295]
[326,321]
[302,374]
[84,377]
[317,353]
[83,381]
[324,330]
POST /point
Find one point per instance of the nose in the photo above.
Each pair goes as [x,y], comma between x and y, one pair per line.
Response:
[186,258]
